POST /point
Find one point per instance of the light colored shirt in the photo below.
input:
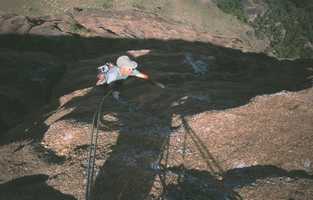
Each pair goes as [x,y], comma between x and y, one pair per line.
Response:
[113,75]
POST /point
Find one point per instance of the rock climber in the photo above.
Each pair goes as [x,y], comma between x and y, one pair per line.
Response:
[112,75]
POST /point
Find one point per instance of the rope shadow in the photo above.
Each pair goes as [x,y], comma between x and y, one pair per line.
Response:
[183,189]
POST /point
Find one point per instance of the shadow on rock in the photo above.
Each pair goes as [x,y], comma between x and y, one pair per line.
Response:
[195,184]
[32,187]
[239,177]
[230,79]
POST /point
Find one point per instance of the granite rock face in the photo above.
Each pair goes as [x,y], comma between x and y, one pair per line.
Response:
[228,124]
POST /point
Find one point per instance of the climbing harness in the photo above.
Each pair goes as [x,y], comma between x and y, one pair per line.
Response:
[93,146]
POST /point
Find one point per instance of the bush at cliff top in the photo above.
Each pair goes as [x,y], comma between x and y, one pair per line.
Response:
[233,7]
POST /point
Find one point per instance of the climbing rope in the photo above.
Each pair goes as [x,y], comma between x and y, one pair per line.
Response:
[93,146]
[96,122]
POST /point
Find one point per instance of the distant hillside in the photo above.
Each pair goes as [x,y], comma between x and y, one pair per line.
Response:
[286,23]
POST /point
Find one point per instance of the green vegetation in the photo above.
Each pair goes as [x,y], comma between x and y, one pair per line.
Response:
[77,28]
[233,7]
[288,24]
[106,4]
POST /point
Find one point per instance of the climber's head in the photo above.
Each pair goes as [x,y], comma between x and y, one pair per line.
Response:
[128,67]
